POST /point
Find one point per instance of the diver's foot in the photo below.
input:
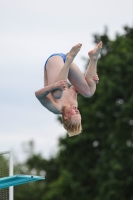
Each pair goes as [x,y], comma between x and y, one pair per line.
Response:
[96,51]
[72,53]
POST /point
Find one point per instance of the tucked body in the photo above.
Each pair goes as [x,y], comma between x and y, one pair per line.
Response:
[57,96]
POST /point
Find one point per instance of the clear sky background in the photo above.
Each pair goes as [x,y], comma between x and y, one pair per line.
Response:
[31,30]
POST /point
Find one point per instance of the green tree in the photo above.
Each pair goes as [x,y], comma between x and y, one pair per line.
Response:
[35,164]
[97,164]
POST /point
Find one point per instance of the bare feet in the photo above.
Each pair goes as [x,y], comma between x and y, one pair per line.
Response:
[96,51]
[72,53]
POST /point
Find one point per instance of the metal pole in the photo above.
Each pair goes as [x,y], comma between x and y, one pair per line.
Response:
[11,174]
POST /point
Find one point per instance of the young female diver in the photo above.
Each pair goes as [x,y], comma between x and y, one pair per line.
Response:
[57,97]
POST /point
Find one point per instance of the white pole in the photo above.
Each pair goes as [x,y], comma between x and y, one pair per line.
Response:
[11,174]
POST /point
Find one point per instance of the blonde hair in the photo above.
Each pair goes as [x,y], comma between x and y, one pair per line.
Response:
[72,128]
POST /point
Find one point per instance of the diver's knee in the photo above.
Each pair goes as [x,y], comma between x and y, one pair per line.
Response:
[87,94]
[57,94]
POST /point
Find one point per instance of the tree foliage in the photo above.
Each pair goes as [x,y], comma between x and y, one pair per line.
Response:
[97,164]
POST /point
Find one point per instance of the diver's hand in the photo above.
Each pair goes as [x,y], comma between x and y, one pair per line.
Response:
[61,85]
[96,79]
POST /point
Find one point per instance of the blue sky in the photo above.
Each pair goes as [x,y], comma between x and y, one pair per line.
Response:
[29,32]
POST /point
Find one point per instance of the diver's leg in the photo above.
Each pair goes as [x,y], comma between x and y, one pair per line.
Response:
[53,68]
[58,70]
[63,75]
[45,78]
[85,85]
[77,79]
[92,67]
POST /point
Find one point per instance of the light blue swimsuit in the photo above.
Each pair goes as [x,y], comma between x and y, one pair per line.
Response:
[56,54]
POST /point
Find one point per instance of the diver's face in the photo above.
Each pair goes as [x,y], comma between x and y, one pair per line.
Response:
[72,112]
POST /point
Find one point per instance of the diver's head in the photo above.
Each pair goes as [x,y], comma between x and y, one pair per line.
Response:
[71,120]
